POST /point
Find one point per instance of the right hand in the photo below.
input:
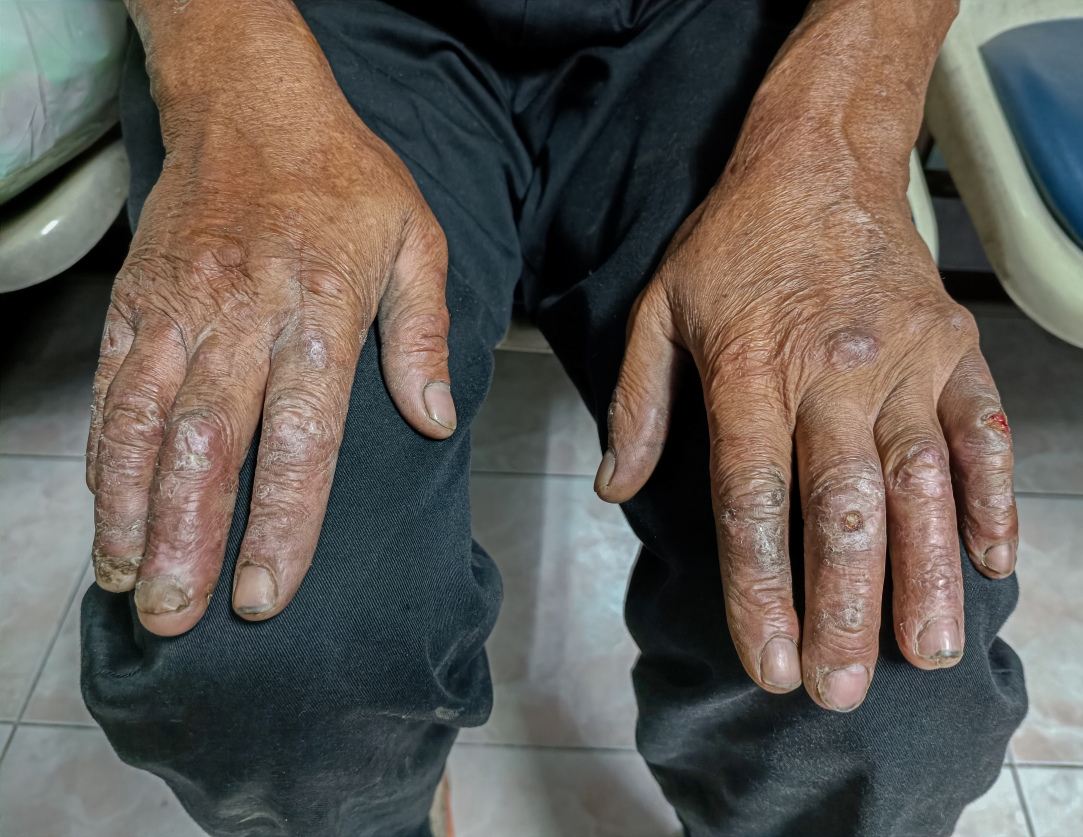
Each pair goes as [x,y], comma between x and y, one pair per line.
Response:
[279,228]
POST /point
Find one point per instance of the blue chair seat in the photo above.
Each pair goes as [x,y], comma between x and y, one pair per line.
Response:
[1037,71]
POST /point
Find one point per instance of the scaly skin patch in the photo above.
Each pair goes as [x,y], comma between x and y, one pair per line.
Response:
[851,348]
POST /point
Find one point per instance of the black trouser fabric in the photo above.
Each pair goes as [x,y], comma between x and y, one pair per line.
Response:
[559,143]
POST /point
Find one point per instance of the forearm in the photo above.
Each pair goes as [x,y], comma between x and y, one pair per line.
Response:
[848,88]
[215,61]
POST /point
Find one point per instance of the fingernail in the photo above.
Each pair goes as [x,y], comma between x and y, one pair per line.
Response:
[605,471]
[844,688]
[256,590]
[939,640]
[160,595]
[1000,558]
[115,574]
[439,404]
[779,664]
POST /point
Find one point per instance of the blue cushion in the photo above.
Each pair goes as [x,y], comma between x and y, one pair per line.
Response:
[1037,71]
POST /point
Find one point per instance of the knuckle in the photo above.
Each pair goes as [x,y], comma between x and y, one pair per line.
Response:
[196,440]
[922,470]
[133,422]
[846,511]
[425,338]
[763,600]
[431,239]
[849,626]
[296,438]
[753,508]
[989,437]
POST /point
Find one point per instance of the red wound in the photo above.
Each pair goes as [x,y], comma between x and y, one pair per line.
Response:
[998,421]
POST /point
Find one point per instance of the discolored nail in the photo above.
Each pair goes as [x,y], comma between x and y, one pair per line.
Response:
[160,595]
[256,590]
[779,663]
[844,688]
[1000,558]
[439,404]
[605,471]
[116,575]
[939,641]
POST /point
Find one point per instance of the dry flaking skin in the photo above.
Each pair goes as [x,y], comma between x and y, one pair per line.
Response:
[279,229]
[819,326]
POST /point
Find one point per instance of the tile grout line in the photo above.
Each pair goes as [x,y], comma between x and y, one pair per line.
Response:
[1049,495]
[45,658]
[567,748]
[1021,795]
[1049,765]
[487,472]
[64,457]
[59,724]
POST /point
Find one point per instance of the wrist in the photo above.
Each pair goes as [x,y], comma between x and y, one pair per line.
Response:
[844,97]
[210,62]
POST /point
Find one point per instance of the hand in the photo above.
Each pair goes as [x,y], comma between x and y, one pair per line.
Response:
[815,316]
[280,226]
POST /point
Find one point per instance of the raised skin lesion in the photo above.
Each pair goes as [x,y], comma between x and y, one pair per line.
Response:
[851,348]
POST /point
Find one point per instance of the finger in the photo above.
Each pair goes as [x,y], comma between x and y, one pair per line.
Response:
[842,493]
[980,443]
[116,342]
[414,326]
[639,411]
[303,419]
[133,417]
[922,535]
[751,451]
[209,430]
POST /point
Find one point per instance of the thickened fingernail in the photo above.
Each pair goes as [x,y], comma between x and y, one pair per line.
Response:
[844,688]
[439,404]
[779,663]
[939,641]
[605,471]
[160,595]
[256,590]
[116,575]
[1000,558]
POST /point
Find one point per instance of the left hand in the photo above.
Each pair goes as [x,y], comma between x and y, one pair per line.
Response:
[815,316]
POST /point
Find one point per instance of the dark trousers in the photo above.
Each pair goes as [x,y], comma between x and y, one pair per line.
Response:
[560,143]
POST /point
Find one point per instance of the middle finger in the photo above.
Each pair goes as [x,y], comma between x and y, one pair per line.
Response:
[842,498]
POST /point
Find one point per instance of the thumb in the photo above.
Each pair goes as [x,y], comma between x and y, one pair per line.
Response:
[413,323]
[639,413]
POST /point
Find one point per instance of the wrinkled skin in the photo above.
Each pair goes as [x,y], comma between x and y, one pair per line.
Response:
[263,255]
[281,226]
[816,318]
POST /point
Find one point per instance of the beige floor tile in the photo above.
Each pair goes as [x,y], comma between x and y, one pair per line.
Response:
[1039,378]
[560,654]
[68,782]
[46,526]
[56,695]
[47,377]
[997,814]
[1055,799]
[534,421]
[546,792]
[1046,629]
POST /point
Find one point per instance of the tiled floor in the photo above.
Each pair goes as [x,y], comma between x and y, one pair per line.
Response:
[557,756]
